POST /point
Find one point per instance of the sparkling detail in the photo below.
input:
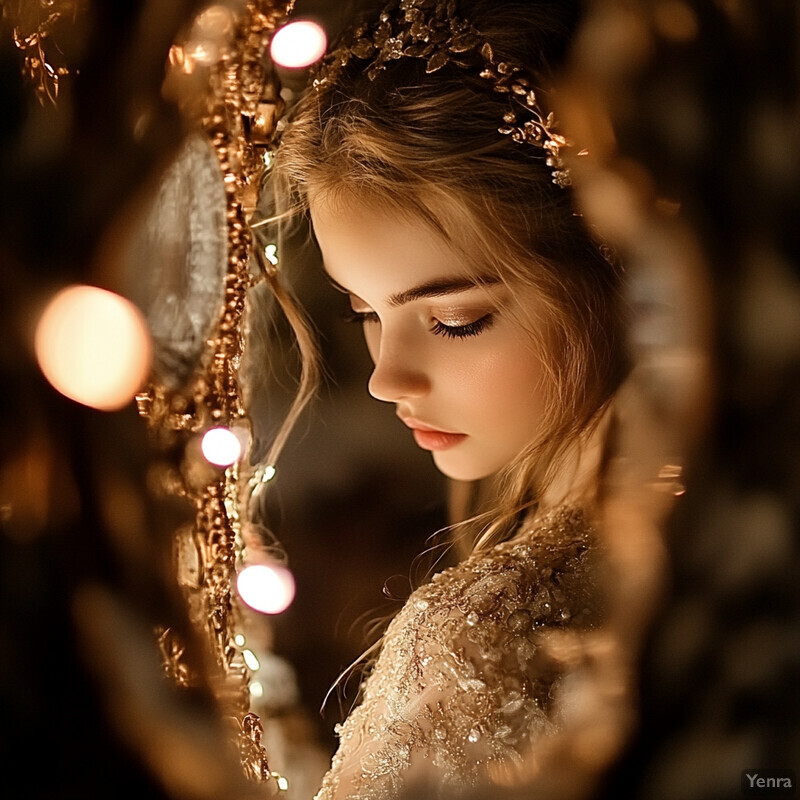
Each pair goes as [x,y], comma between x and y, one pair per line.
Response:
[269,474]
[480,668]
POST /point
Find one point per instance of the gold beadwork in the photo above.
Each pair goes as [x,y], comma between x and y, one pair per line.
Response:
[468,679]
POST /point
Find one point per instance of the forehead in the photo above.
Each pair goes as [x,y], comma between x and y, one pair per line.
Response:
[372,247]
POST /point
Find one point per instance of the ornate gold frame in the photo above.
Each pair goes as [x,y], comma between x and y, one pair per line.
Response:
[239,114]
[222,80]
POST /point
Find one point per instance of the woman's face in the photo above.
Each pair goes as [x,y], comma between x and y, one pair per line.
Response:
[447,352]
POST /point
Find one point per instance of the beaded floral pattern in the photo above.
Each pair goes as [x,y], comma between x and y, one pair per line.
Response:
[464,684]
[432,31]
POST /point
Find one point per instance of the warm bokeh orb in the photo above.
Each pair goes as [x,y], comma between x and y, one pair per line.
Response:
[298,44]
[221,446]
[266,588]
[94,347]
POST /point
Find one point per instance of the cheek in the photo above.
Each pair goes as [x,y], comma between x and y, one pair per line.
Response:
[508,385]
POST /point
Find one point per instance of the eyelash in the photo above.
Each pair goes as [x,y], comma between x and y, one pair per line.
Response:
[360,317]
[463,331]
[438,329]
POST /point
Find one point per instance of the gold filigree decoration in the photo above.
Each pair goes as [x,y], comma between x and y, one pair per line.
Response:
[226,55]
[33,26]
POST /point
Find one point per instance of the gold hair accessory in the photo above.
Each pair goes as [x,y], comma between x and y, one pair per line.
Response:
[431,30]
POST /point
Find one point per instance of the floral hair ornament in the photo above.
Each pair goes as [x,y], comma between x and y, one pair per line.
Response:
[431,30]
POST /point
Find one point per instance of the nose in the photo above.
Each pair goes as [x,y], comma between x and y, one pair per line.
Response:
[398,373]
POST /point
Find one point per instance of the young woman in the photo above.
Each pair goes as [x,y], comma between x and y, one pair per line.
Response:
[436,184]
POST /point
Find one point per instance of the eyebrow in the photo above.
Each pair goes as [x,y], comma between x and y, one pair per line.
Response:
[438,287]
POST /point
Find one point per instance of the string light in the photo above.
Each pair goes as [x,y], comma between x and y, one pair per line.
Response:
[298,44]
[93,346]
[271,254]
[250,659]
[269,474]
[221,446]
[266,588]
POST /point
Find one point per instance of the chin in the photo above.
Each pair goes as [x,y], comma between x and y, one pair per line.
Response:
[461,469]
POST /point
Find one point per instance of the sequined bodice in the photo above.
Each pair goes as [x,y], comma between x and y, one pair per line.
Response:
[463,683]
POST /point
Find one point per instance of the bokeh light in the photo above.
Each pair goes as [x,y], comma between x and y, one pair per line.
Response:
[93,346]
[221,446]
[266,588]
[250,659]
[256,689]
[298,44]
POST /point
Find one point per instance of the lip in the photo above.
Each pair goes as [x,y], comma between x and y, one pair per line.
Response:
[429,438]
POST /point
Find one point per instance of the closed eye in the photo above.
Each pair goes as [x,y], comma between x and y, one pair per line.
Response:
[360,317]
[462,331]
[438,328]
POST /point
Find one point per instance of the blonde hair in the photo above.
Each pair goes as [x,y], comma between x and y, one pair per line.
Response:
[428,145]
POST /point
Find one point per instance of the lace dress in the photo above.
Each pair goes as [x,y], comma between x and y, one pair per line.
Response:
[464,683]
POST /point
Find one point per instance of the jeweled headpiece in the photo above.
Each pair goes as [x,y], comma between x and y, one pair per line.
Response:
[431,30]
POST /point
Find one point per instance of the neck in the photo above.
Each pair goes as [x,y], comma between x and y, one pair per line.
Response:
[578,479]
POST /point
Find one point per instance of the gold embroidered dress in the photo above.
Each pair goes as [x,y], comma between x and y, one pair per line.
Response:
[463,682]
